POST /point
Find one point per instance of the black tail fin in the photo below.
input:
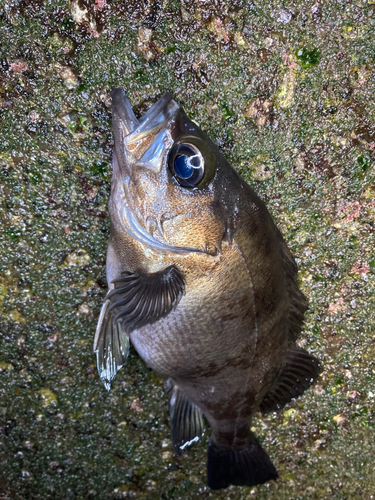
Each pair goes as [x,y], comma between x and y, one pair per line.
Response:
[245,466]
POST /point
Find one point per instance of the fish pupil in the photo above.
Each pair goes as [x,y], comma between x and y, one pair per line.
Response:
[183,166]
[187,164]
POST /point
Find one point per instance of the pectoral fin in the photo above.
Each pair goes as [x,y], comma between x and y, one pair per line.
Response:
[187,424]
[137,300]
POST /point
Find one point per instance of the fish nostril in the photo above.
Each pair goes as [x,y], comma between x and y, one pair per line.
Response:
[211,249]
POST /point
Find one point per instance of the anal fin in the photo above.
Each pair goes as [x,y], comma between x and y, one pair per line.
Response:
[187,424]
[298,374]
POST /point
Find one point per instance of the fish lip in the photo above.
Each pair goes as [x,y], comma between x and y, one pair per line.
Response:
[122,109]
[154,118]
[155,109]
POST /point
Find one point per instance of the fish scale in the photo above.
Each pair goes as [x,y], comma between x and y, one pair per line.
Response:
[211,302]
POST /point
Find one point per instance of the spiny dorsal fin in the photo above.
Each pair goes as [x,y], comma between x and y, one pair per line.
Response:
[187,424]
[297,300]
[297,375]
[138,299]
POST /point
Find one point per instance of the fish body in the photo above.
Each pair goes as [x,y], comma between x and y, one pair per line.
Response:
[203,285]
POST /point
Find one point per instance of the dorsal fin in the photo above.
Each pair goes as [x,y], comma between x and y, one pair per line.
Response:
[298,373]
[300,368]
[138,299]
[297,300]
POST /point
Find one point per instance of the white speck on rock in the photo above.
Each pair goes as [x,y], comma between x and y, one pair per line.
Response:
[284,16]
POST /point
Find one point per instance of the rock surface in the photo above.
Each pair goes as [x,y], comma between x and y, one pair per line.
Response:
[286,89]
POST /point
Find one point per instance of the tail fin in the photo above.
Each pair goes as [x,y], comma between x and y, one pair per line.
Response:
[246,466]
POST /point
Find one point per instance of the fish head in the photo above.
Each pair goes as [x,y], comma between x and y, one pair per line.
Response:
[171,187]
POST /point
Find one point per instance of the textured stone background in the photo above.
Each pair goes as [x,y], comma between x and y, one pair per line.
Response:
[286,90]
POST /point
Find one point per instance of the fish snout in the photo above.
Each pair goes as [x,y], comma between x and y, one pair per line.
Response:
[142,142]
[122,111]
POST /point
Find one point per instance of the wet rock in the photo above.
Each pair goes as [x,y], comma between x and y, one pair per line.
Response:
[300,161]
[5,367]
[287,90]
[268,42]
[284,16]
[124,491]
[310,491]
[219,29]
[317,10]
[307,57]
[263,55]
[70,79]
[146,46]
[341,420]
[80,15]
[48,397]
[18,67]
[16,316]
[80,258]
[3,294]
[136,406]
[100,4]
[262,168]
[360,268]
[238,38]
[260,110]
[84,309]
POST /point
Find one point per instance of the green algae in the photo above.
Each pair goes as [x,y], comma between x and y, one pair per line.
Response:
[307,57]
[311,159]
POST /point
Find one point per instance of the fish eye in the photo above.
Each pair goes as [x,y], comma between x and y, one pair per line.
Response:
[187,164]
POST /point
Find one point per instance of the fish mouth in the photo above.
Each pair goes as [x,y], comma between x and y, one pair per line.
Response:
[144,140]
[122,108]
[141,142]
[157,114]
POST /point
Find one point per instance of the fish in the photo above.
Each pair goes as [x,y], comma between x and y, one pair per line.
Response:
[204,287]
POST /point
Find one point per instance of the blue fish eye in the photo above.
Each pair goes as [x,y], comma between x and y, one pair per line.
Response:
[186,164]
[183,167]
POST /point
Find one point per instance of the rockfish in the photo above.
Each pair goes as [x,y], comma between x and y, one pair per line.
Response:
[203,285]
